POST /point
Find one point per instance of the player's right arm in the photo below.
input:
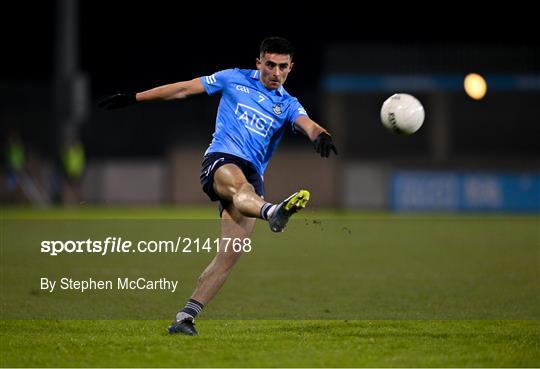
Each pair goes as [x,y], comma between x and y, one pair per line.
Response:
[173,91]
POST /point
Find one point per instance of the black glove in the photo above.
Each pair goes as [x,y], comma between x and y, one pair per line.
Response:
[119,100]
[323,145]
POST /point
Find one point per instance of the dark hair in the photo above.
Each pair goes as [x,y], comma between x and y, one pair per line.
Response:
[277,45]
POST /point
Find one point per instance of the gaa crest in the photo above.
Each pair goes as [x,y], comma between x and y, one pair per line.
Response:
[277,109]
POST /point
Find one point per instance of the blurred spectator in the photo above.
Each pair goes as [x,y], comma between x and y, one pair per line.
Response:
[73,165]
[15,157]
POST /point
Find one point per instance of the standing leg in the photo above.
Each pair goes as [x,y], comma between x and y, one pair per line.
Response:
[230,185]
[233,225]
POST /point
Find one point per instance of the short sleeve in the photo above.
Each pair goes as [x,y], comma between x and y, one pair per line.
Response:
[296,110]
[217,81]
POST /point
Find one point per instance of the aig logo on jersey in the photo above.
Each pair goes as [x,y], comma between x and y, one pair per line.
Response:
[277,109]
[253,119]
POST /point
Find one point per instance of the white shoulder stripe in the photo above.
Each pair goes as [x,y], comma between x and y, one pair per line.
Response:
[211,79]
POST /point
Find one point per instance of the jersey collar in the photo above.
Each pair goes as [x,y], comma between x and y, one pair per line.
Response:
[256,75]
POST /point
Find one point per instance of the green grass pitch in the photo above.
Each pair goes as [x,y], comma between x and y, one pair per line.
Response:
[335,290]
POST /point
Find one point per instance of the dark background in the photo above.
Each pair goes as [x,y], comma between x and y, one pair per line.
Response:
[133,46]
[125,42]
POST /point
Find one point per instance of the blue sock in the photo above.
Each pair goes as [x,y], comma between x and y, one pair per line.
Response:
[193,307]
[267,210]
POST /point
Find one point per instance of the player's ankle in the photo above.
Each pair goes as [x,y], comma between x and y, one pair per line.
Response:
[267,210]
[190,311]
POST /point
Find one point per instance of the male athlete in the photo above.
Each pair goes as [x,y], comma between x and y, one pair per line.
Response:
[254,112]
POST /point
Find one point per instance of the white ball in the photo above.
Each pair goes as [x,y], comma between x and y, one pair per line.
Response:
[402,114]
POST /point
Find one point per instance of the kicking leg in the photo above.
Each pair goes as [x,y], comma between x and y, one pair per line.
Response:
[231,184]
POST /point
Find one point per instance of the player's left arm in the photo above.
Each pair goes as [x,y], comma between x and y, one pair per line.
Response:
[322,140]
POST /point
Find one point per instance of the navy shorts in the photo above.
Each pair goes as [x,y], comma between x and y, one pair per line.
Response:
[212,161]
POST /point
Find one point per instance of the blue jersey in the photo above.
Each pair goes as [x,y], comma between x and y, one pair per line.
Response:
[251,119]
